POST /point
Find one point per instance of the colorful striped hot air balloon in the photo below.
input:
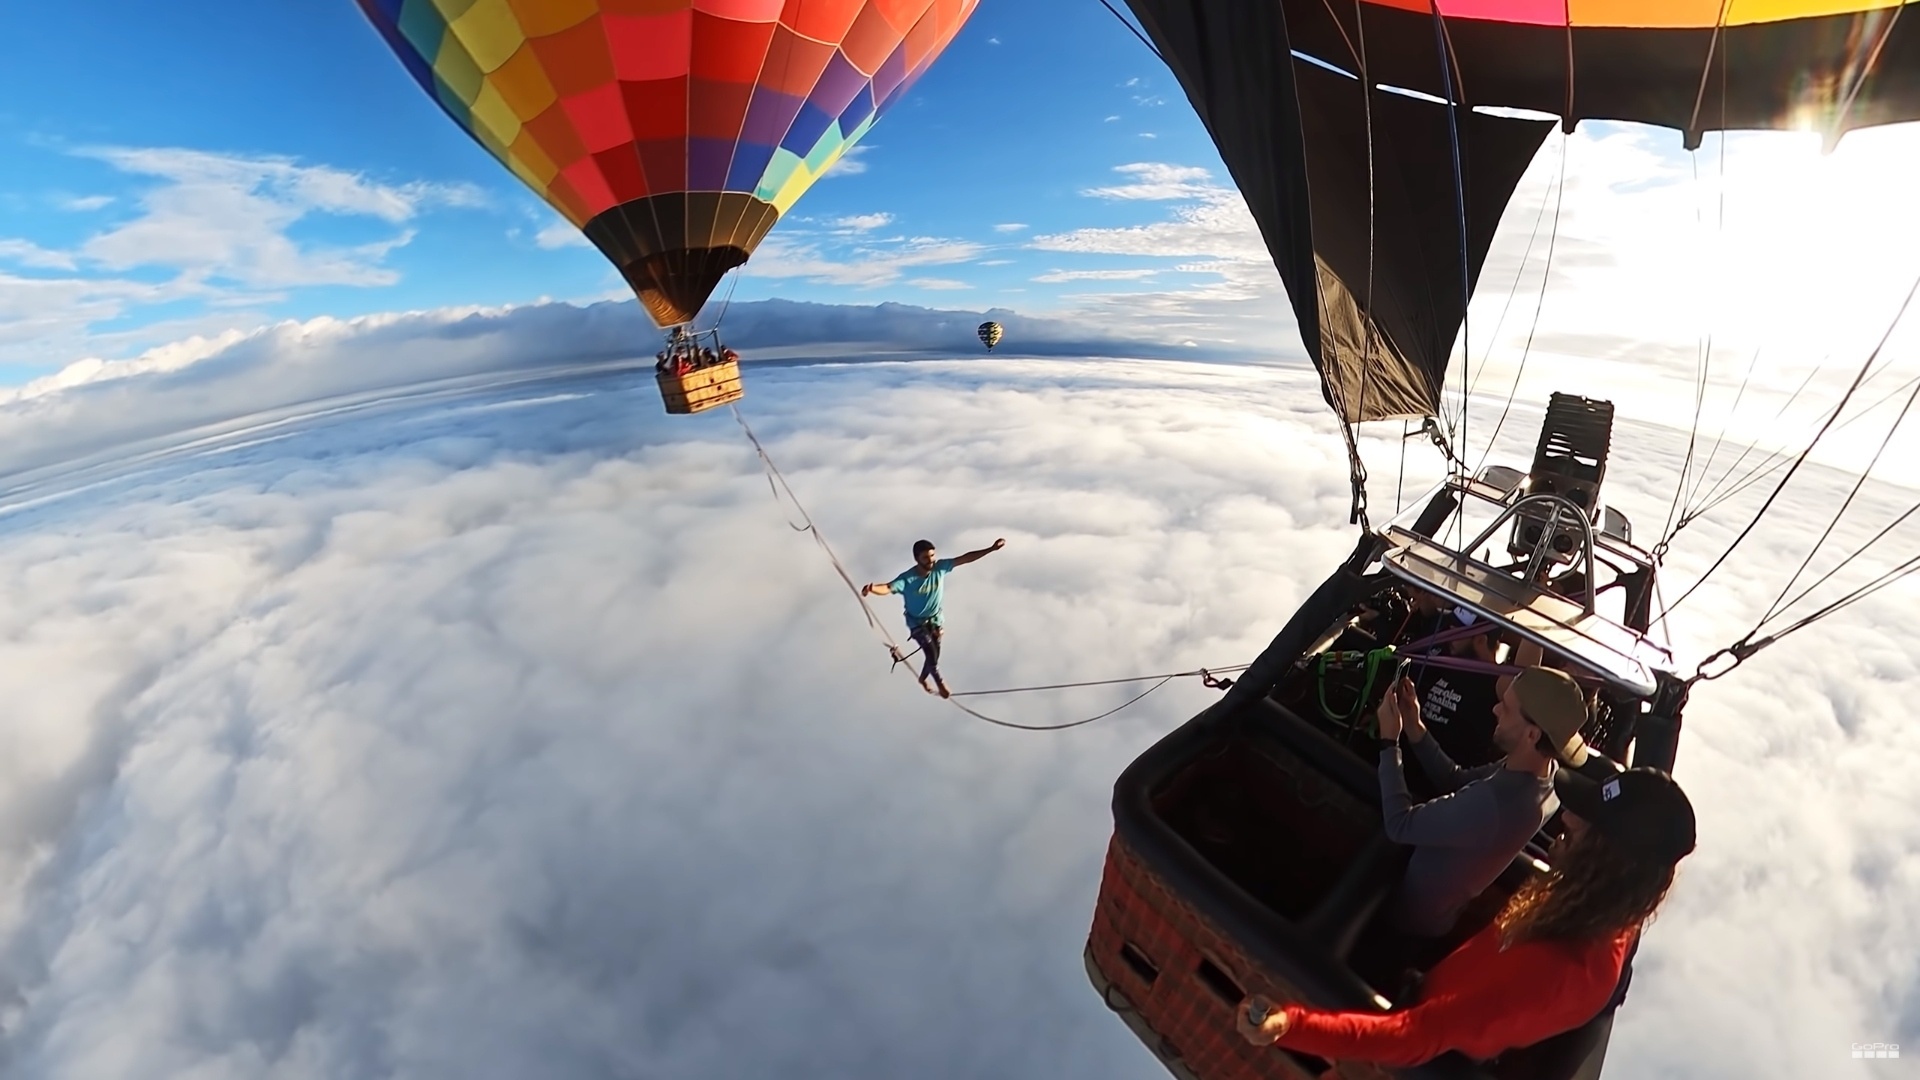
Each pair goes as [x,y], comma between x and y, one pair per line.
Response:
[674,133]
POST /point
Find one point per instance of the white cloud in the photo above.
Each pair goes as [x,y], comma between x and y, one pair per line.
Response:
[995,262]
[27,253]
[863,222]
[85,203]
[561,234]
[1057,276]
[381,732]
[1212,235]
[1010,227]
[851,163]
[993,41]
[227,217]
[371,748]
[938,284]
[82,412]
[1158,180]
[1110,119]
[217,230]
[33,309]
[868,263]
[1148,135]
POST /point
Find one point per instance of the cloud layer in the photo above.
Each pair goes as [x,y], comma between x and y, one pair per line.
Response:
[223,234]
[511,733]
[104,406]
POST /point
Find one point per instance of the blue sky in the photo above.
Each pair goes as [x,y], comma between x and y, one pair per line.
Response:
[176,177]
[181,168]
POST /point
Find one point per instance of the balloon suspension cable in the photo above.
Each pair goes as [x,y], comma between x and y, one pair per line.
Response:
[1852,388]
[777,484]
[1547,195]
[1430,427]
[1540,303]
[1400,483]
[1753,642]
[1357,477]
[1706,358]
[1722,490]
[1136,30]
[1832,134]
[1443,41]
[726,303]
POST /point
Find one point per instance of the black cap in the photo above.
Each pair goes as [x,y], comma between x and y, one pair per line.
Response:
[1641,811]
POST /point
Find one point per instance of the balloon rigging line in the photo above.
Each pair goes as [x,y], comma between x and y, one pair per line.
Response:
[1449,71]
[1706,360]
[1726,423]
[1106,682]
[777,484]
[1778,457]
[1704,357]
[1720,492]
[1540,302]
[1804,453]
[1513,289]
[1779,603]
[727,303]
[1135,29]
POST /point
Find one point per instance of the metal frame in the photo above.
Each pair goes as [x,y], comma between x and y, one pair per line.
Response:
[1626,658]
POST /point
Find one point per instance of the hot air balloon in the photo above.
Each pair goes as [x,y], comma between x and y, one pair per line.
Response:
[989,334]
[673,133]
[1248,855]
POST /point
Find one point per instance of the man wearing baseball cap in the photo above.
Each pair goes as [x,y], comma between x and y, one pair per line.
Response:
[1484,816]
[1550,960]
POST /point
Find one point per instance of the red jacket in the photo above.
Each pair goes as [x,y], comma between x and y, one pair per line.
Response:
[1480,1001]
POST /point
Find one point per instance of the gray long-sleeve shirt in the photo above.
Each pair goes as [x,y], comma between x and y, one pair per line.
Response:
[1462,838]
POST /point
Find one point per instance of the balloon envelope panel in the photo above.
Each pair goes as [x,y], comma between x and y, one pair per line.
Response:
[674,133]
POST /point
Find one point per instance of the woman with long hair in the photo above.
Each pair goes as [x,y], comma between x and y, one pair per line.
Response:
[1548,962]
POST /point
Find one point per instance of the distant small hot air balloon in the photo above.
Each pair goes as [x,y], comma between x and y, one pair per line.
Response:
[674,133]
[989,334]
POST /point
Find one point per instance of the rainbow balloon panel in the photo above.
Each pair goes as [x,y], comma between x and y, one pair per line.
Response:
[1642,14]
[674,133]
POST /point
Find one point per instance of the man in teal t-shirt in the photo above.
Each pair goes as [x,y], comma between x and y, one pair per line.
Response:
[921,587]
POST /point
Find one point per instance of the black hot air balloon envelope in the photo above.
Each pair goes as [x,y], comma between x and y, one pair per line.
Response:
[1378,273]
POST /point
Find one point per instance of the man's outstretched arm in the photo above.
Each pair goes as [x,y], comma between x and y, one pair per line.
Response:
[973,556]
[883,588]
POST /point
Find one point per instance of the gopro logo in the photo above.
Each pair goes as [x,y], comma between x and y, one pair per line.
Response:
[1610,791]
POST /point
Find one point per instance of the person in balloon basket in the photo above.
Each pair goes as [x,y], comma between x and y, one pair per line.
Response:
[1460,707]
[1485,815]
[1552,958]
[921,587]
